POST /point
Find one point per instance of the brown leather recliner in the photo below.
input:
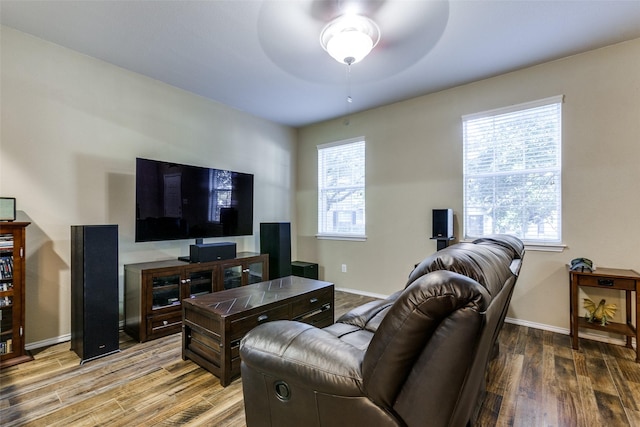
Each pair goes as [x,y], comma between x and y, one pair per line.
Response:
[417,358]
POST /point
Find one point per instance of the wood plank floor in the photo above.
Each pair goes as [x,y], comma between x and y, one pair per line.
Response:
[536,380]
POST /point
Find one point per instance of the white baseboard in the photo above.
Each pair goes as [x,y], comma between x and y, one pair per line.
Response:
[57,340]
[47,342]
[535,325]
[363,293]
[565,331]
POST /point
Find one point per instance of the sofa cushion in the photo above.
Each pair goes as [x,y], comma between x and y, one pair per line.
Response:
[359,338]
[511,243]
[365,316]
[487,264]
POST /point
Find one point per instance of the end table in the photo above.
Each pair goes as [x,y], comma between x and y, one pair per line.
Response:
[607,278]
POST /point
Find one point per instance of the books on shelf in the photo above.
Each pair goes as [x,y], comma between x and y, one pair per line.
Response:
[6,346]
[6,242]
[6,267]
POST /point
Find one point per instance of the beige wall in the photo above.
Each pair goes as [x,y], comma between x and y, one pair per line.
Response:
[72,127]
[414,152]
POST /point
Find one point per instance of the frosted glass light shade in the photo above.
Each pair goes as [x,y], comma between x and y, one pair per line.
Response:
[349,38]
[349,46]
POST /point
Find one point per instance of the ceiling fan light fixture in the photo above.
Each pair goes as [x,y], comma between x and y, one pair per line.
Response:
[349,38]
[349,46]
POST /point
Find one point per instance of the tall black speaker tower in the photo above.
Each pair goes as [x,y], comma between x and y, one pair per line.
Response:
[94,291]
[275,240]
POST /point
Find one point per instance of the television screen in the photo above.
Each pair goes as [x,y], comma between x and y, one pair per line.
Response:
[175,201]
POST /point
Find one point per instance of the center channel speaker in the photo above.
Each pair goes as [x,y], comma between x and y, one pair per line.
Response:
[205,252]
[275,240]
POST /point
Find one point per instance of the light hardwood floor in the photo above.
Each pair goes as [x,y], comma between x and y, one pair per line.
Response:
[536,380]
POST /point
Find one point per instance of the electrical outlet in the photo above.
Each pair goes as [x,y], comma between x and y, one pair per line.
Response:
[344,268]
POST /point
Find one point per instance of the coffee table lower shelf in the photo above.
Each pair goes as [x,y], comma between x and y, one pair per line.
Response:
[214,324]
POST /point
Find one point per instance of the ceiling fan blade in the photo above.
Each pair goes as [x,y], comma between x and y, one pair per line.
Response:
[325,11]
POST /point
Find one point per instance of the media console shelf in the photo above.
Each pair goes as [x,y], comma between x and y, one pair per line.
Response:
[154,290]
[613,279]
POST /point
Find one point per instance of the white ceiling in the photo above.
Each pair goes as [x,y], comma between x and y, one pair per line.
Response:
[264,57]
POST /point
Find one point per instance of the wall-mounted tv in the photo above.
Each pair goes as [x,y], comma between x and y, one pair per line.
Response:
[175,201]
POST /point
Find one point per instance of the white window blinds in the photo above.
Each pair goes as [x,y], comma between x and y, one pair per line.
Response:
[512,171]
[341,189]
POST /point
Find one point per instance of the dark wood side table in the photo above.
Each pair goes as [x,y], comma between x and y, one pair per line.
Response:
[607,278]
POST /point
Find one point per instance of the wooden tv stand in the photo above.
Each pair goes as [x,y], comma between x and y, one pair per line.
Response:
[154,290]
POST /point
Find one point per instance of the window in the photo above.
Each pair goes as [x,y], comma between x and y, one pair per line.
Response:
[220,192]
[341,203]
[512,171]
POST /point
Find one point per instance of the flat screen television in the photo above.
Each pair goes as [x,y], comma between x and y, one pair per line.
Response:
[175,201]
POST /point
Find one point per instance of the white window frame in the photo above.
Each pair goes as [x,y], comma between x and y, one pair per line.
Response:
[519,170]
[356,213]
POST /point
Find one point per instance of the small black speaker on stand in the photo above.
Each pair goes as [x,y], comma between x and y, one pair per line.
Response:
[275,240]
[442,230]
[94,291]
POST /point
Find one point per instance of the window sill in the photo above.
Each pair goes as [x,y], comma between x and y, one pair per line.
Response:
[557,247]
[538,247]
[348,237]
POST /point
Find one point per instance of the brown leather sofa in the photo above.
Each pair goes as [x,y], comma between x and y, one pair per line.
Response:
[417,358]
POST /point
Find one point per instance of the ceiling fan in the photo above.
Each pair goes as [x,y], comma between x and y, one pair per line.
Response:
[290,36]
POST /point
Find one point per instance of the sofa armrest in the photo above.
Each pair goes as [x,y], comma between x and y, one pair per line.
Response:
[364,313]
[299,353]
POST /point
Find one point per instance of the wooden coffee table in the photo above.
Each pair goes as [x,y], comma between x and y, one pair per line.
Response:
[214,324]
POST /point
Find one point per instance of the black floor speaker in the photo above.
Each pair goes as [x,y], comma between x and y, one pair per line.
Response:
[275,240]
[94,291]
